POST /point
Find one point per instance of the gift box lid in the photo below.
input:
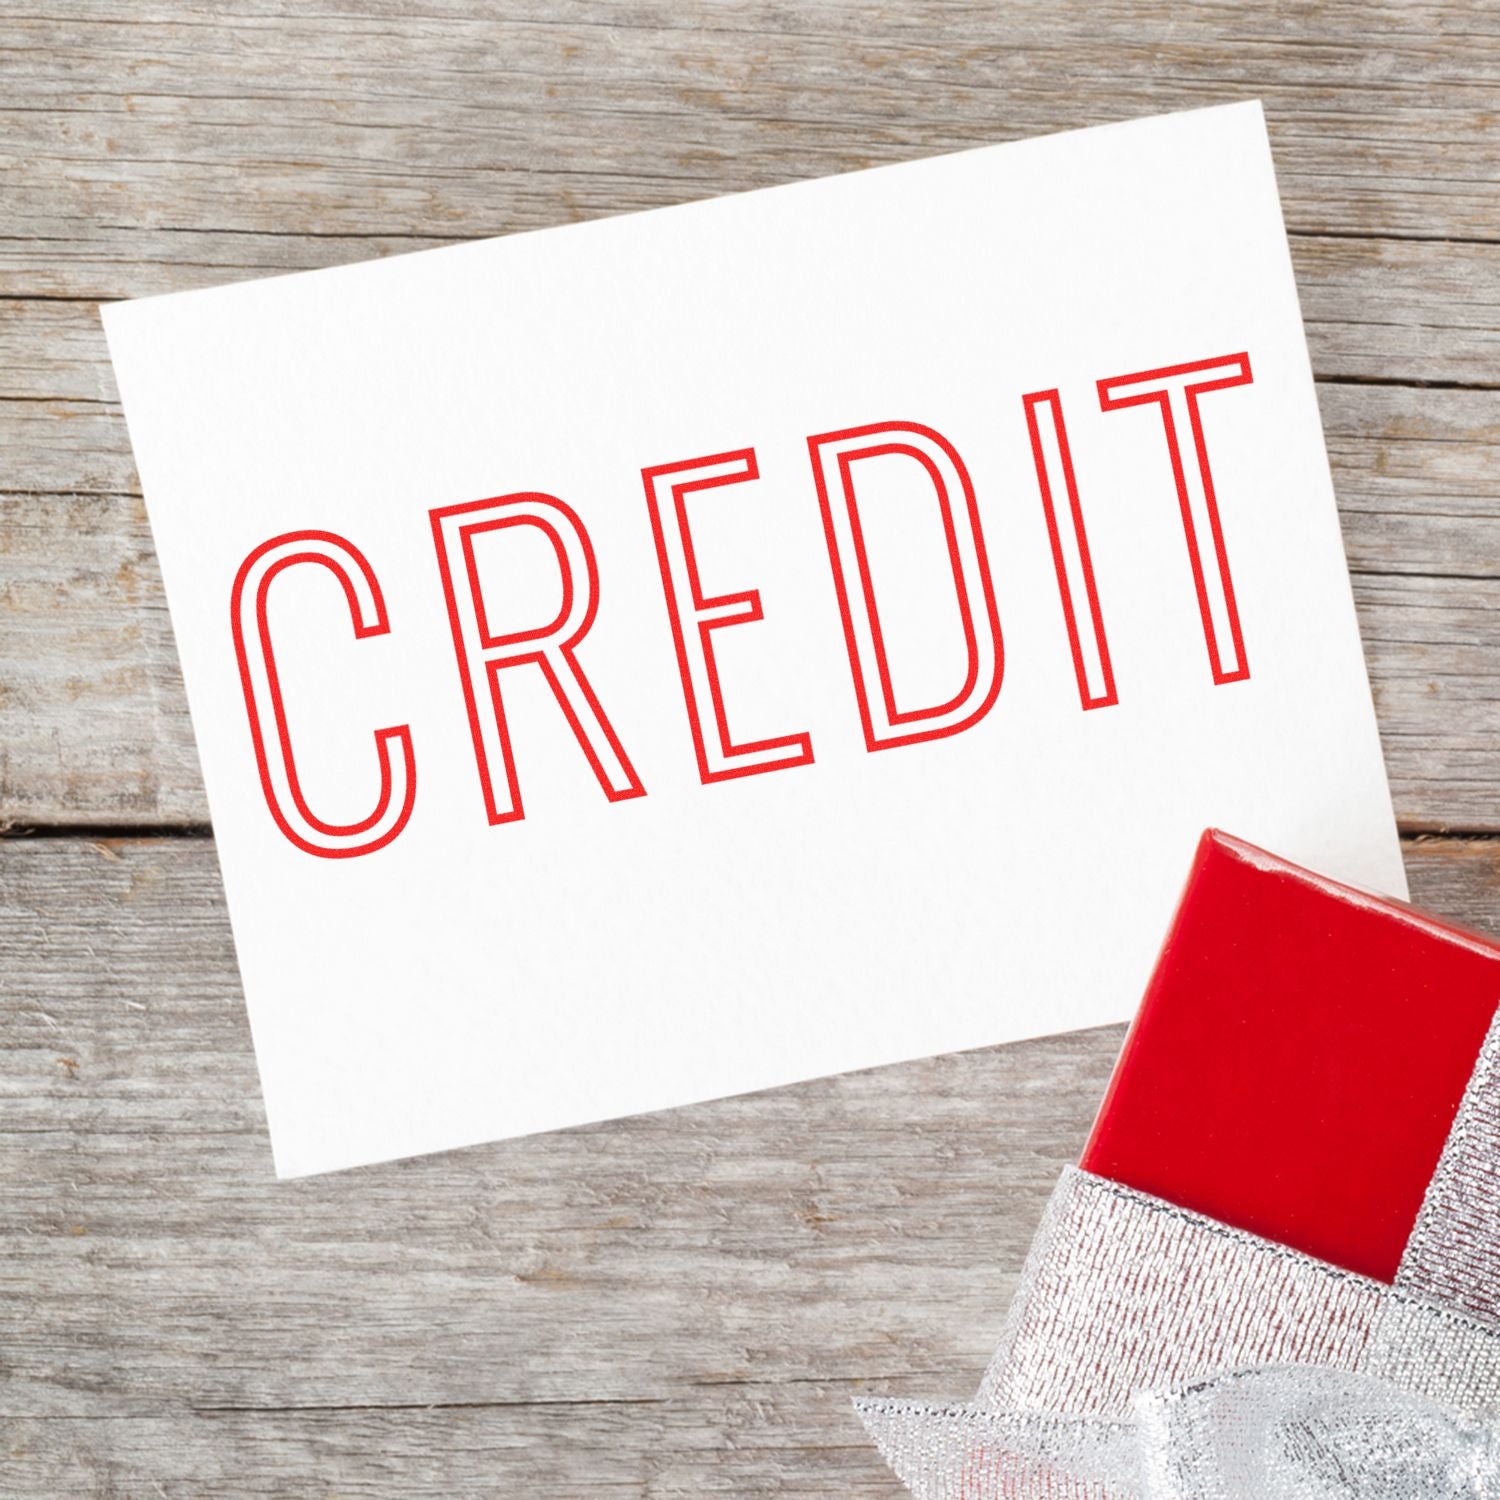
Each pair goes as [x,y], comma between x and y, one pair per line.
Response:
[1298,1058]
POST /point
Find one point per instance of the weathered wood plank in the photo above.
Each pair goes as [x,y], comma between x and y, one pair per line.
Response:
[1415,474]
[94,727]
[387,117]
[673,1304]
[1430,644]
[1400,310]
[761,1441]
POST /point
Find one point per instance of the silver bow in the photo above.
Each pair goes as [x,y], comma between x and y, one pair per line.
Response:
[1276,1433]
[1313,1433]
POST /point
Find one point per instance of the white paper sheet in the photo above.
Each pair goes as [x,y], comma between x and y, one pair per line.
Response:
[653,915]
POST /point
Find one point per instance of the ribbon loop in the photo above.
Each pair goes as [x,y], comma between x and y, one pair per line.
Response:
[1309,1433]
[1295,1432]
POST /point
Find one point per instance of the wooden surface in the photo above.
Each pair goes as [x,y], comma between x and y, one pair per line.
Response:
[681,1304]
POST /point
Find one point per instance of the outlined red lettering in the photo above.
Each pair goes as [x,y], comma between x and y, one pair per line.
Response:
[834,455]
[250,622]
[483,654]
[695,616]
[1175,390]
[1070,549]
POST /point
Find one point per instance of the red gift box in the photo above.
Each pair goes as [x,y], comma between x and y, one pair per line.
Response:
[1298,1059]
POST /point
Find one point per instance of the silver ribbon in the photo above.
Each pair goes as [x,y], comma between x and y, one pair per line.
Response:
[1151,1353]
[1316,1434]
[1277,1433]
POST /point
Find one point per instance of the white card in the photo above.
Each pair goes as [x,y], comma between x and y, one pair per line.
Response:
[671,656]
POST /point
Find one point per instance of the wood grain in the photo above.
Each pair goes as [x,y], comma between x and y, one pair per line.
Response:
[684,1303]
[369,118]
[676,1304]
